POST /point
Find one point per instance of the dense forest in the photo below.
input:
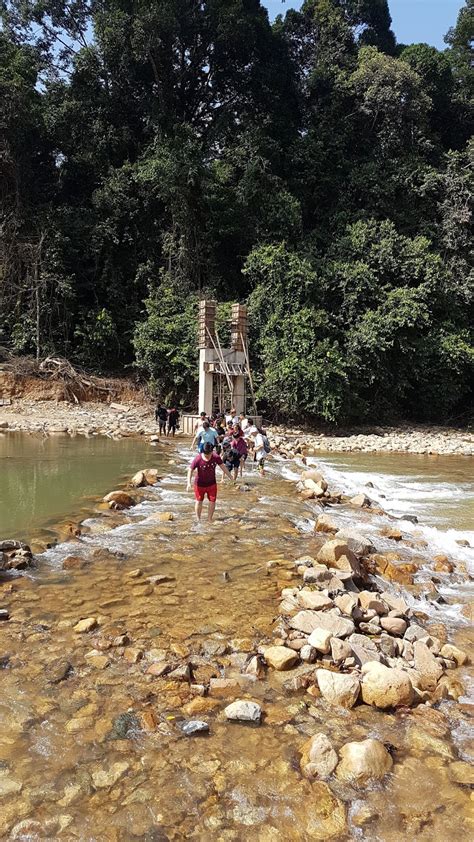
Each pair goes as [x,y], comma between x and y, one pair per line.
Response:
[156,151]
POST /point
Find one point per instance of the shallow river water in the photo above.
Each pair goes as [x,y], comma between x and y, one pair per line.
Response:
[90,741]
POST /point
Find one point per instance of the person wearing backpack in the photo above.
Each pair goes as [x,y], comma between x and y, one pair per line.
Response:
[261,449]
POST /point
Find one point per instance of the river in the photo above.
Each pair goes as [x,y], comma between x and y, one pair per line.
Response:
[100,754]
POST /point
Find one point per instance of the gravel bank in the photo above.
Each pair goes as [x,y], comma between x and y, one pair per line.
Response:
[134,419]
[436,441]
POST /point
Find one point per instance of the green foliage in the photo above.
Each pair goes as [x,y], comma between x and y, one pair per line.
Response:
[165,342]
[302,370]
[153,153]
[97,342]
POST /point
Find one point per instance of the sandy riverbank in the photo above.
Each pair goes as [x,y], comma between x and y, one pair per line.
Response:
[49,417]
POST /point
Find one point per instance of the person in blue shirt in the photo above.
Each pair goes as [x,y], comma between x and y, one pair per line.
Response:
[206,435]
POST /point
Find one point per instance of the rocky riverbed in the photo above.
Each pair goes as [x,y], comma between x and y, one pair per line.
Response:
[128,419]
[430,441]
[277,676]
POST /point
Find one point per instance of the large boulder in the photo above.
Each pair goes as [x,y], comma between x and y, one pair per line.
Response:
[369,601]
[320,639]
[307,621]
[338,689]
[119,500]
[318,759]
[340,650]
[313,600]
[426,665]
[325,523]
[338,554]
[364,761]
[358,543]
[346,603]
[147,476]
[394,625]
[454,654]
[15,555]
[318,574]
[384,687]
[317,489]
[280,657]
[394,602]
[363,649]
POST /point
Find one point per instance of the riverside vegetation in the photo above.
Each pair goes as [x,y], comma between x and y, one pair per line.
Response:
[153,153]
[314,670]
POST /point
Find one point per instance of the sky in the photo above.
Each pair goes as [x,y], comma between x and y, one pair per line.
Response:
[413,21]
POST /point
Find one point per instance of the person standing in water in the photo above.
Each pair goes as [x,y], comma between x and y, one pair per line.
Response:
[206,434]
[173,421]
[161,416]
[239,444]
[205,464]
[261,449]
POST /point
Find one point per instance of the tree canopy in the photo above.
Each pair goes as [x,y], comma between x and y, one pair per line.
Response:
[156,152]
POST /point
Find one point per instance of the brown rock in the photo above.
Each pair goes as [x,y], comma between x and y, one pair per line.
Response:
[361,501]
[325,523]
[163,516]
[95,659]
[318,758]
[313,600]
[119,500]
[346,603]
[307,621]
[401,573]
[461,772]
[454,654]
[138,480]
[133,655]
[364,761]
[369,601]
[86,625]
[338,689]
[74,562]
[394,625]
[325,815]
[443,566]
[337,554]
[280,657]
[158,669]
[148,719]
[426,665]
[449,688]
[224,686]
[391,533]
[384,687]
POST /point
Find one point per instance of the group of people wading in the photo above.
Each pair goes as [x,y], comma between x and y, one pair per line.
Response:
[223,441]
[167,418]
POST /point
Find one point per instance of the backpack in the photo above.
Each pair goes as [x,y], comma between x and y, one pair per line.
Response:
[266,444]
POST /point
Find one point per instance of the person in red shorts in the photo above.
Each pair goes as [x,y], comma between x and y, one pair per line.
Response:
[205,465]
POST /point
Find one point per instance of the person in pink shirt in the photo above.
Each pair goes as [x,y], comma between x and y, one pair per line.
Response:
[204,466]
[239,444]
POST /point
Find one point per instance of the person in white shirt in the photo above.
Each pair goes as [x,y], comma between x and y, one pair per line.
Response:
[259,449]
[244,422]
